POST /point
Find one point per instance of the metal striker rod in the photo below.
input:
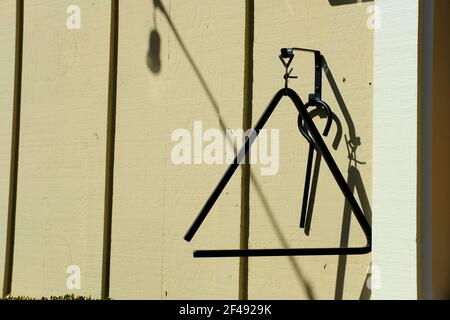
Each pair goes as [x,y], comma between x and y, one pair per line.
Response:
[331,164]
[307,185]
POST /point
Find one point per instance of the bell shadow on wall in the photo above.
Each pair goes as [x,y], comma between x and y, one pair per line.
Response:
[155,66]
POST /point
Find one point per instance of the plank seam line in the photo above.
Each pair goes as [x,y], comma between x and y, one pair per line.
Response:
[14,165]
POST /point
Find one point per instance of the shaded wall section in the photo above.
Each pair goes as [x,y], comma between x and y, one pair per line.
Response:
[441,152]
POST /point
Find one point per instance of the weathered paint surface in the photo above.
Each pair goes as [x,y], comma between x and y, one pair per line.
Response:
[62,148]
[155,201]
[395,137]
[7,54]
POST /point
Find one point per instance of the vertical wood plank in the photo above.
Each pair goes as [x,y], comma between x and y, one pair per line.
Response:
[7,62]
[62,151]
[192,72]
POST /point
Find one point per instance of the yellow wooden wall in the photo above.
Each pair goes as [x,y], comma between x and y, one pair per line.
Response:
[200,77]
[7,58]
[62,148]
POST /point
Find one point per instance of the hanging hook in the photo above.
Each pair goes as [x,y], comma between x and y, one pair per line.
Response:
[287,72]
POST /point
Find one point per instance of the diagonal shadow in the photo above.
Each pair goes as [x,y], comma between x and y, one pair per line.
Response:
[159,5]
[354,181]
[282,238]
[354,140]
[366,293]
